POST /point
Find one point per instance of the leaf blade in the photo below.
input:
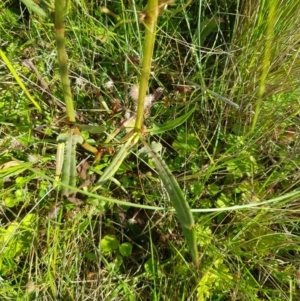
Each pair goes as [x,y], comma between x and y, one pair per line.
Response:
[117,160]
[68,175]
[159,129]
[31,5]
[181,206]
[18,80]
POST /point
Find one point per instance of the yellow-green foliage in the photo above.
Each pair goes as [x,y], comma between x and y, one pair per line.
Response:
[15,240]
[216,278]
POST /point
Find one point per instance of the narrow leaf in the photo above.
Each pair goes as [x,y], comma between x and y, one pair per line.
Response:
[159,129]
[12,168]
[93,129]
[18,79]
[60,152]
[207,27]
[69,165]
[177,198]
[117,160]
[31,5]
[230,102]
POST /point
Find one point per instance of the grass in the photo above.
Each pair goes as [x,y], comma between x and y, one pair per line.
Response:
[124,242]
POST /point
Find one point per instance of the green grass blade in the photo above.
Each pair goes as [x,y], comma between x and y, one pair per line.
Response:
[31,5]
[159,129]
[12,168]
[18,79]
[177,198]
[226,100]
[268,49]
[117,160]
[93,129]
[207,27]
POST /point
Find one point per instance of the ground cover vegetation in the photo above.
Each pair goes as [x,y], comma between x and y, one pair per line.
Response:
[136,108]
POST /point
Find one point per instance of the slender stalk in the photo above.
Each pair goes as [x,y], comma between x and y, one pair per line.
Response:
[150,33]
[62,57]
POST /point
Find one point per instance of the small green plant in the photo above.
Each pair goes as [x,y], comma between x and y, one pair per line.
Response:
[15,240]
[109,244]
[216,279]
[114,251]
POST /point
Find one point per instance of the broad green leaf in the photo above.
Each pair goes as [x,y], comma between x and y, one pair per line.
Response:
[125,249]
[17,237]
[159,129]
[213,189]
[177,198]
[109,243]
[116,263]
[11,201]
[204,235]
[91,256]
[244,165]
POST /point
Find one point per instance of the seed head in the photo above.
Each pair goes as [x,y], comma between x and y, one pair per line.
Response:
[109,84]
[134,92]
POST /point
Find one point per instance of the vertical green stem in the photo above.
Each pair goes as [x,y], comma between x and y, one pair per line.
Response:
[62,57]
[150,33]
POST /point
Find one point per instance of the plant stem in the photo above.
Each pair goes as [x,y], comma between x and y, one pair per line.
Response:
[62,57]
[150,33]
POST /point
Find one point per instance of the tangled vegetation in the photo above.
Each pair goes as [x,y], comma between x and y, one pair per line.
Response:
[149,150]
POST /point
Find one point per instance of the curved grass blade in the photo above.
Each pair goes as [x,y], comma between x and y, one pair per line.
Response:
[159,129]
[12,168]
[31,5]
[177,198]
[18,79]
[207,27]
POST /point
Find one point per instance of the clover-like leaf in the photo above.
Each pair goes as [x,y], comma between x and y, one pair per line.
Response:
[125,249]
[186,143]
[109,243]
